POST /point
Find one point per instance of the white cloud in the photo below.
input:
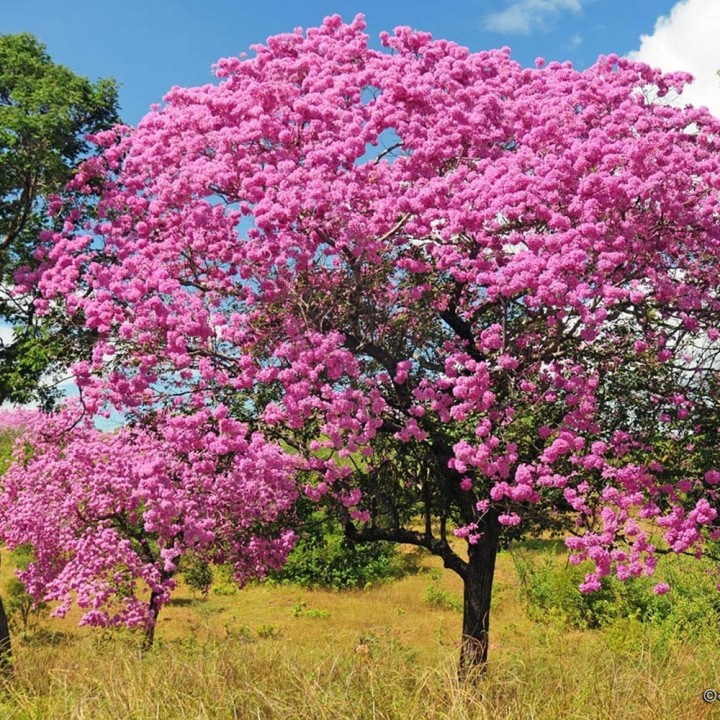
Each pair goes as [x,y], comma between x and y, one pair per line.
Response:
[526,16]
[6,333]
[688,40]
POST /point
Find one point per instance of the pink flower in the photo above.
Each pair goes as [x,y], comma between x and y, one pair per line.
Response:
[283,299]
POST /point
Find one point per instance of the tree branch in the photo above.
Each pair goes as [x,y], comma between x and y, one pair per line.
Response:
[451,560]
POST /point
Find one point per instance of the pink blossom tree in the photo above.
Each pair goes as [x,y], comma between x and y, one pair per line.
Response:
[476,299]
[108,516]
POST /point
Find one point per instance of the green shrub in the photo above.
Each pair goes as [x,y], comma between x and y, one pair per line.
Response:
[694,600]
[197,573]
[324,557]
[690,610]
[552,591]
[301,609]
[224,583]
[441,599]
[21,610]
[7,441]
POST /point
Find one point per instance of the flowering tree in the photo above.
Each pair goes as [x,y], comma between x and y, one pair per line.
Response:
[108,516]
[473,298]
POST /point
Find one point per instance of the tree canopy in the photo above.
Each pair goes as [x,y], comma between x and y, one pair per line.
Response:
[477,300]
[45,112]
[109,516]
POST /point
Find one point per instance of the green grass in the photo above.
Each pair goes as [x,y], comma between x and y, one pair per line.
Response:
[385,652]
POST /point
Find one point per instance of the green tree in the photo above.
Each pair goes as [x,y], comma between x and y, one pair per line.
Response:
[45,113]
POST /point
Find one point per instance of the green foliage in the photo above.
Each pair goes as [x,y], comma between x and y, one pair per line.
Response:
[22,612]
[690,610]
[7,440]
[298,610]
[436,597]
[197,573]
[324,557]
[22,556]
[241,634]
[302,610]
[552,591]
[45,113]
[224,584]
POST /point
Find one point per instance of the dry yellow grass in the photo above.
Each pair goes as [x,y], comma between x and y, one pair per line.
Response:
[282,652]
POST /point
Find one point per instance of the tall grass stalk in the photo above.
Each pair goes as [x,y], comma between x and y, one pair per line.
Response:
[578,676]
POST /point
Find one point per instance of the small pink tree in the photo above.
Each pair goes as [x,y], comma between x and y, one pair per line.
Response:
[470,295]
[109,515]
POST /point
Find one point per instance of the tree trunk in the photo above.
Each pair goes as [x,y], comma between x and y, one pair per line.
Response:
[5,648]
[153,611]
[477,574]
[477,595]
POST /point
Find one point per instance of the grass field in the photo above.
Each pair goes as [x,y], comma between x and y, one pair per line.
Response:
[388,651]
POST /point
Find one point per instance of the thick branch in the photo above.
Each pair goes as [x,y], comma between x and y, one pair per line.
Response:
[358,345]
[450,559]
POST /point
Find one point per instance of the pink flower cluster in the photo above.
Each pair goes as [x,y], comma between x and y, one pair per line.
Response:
[110,515]
[510,274]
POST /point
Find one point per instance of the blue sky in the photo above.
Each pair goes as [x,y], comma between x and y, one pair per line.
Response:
[151,45]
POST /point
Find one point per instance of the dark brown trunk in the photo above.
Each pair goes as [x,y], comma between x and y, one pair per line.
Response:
[153,611]
[5,647]
[477,596]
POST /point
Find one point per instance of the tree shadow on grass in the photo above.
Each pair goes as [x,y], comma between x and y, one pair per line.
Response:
[543,545]
[183,602]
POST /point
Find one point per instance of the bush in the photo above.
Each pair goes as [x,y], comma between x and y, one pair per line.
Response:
[324,557]
[552,591]
[197,573]
[22,611]
[690,610]
[7,442]
[224,583]
[440,599]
